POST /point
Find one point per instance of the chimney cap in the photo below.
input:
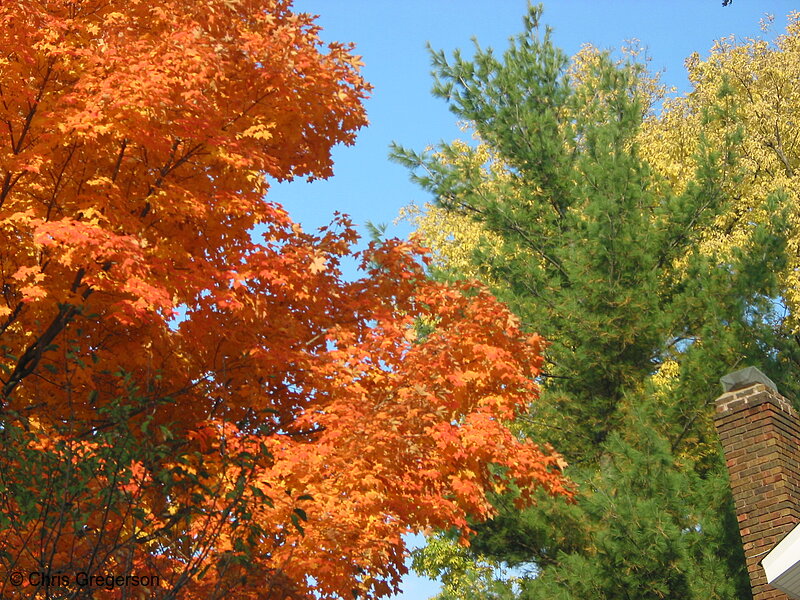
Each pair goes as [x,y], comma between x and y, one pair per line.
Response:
[744,378]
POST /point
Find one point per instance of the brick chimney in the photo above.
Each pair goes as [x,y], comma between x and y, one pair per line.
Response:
[760,435]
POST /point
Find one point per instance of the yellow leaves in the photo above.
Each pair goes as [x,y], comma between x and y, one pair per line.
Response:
[258,131]
[763,78]
[451,238]
[318,263]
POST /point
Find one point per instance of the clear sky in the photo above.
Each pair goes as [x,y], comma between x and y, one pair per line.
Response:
[391,36]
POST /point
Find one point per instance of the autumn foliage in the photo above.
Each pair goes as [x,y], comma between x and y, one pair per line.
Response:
[180,399]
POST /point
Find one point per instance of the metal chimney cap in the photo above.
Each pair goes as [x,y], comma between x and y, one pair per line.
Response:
[744,378]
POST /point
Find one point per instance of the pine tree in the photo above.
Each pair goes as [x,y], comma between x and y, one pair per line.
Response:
[597,252]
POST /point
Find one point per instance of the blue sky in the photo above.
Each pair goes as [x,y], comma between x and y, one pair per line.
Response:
[391,37]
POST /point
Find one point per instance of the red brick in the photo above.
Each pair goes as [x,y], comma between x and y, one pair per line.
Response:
[760,435]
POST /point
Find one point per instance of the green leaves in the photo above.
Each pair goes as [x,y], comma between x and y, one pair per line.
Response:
[622,273]
[297,515]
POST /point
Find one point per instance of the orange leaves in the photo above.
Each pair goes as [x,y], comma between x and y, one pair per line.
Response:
[388,432]
[294,424]
[131,167]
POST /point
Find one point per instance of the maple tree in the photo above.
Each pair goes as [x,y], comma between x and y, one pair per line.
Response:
[179,399]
